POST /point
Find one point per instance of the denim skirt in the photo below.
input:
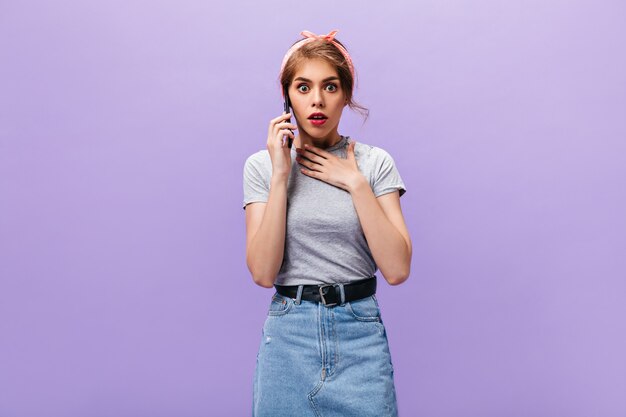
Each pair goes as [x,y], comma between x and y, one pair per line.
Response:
[323,361]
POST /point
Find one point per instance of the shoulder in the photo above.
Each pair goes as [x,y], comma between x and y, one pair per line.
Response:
[258,167]
[259,160]
[259,157]
[371,154]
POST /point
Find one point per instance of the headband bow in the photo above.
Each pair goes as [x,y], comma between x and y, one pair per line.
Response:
[330,37]
[309,37]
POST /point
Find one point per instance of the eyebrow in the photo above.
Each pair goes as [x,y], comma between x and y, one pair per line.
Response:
[324,80]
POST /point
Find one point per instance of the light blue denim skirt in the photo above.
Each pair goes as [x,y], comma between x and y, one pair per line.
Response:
[323,361]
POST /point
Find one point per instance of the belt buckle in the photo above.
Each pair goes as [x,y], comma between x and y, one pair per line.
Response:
[321,290]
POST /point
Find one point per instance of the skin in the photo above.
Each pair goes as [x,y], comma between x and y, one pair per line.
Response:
[317,96]
[381,217]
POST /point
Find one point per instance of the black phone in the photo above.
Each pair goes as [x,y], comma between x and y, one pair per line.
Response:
[287,107]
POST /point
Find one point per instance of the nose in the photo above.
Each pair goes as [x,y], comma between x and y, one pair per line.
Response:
[318,98]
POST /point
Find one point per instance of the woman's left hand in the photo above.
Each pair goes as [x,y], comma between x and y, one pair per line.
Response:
[324,166]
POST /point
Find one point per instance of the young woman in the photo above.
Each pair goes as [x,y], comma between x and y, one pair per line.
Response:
[321,218]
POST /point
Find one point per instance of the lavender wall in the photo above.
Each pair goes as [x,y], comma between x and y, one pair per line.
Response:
[124,126]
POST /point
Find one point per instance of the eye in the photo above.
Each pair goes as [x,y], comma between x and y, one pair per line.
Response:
[334,86]
[302,85]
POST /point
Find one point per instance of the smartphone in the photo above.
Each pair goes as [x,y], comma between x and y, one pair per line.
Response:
[287,107]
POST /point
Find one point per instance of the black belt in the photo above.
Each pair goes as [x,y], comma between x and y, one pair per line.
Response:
[330,294]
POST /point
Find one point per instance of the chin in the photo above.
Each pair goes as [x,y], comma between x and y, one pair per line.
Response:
[316,134]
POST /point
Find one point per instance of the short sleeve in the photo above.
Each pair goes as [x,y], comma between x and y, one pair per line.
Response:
[386,176]
[255,186]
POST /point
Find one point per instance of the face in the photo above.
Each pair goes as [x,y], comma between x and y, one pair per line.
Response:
[316,89]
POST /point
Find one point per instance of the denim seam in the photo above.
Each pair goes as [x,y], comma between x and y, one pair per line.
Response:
[321,346]
[310,396]
[334,339]
[320,335]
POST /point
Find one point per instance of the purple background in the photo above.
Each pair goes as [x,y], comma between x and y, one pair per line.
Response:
[124,126]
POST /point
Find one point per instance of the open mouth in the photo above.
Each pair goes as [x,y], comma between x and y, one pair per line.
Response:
[318,118]
[317,121]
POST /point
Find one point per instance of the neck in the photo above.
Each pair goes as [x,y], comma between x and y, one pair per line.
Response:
[327,141]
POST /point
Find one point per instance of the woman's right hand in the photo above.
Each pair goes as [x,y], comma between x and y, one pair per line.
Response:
[280,153]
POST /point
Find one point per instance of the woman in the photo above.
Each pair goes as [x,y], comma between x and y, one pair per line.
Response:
[321,218]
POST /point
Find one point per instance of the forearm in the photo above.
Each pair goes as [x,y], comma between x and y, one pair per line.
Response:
[266,250]
[389,248]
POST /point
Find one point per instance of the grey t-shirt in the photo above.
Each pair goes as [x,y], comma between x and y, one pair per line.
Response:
[324,242]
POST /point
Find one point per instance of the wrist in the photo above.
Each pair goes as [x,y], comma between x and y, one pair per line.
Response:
[357,183]
[279,179]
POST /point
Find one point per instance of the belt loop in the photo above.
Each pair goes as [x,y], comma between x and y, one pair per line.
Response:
[299,295]
[343,294]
